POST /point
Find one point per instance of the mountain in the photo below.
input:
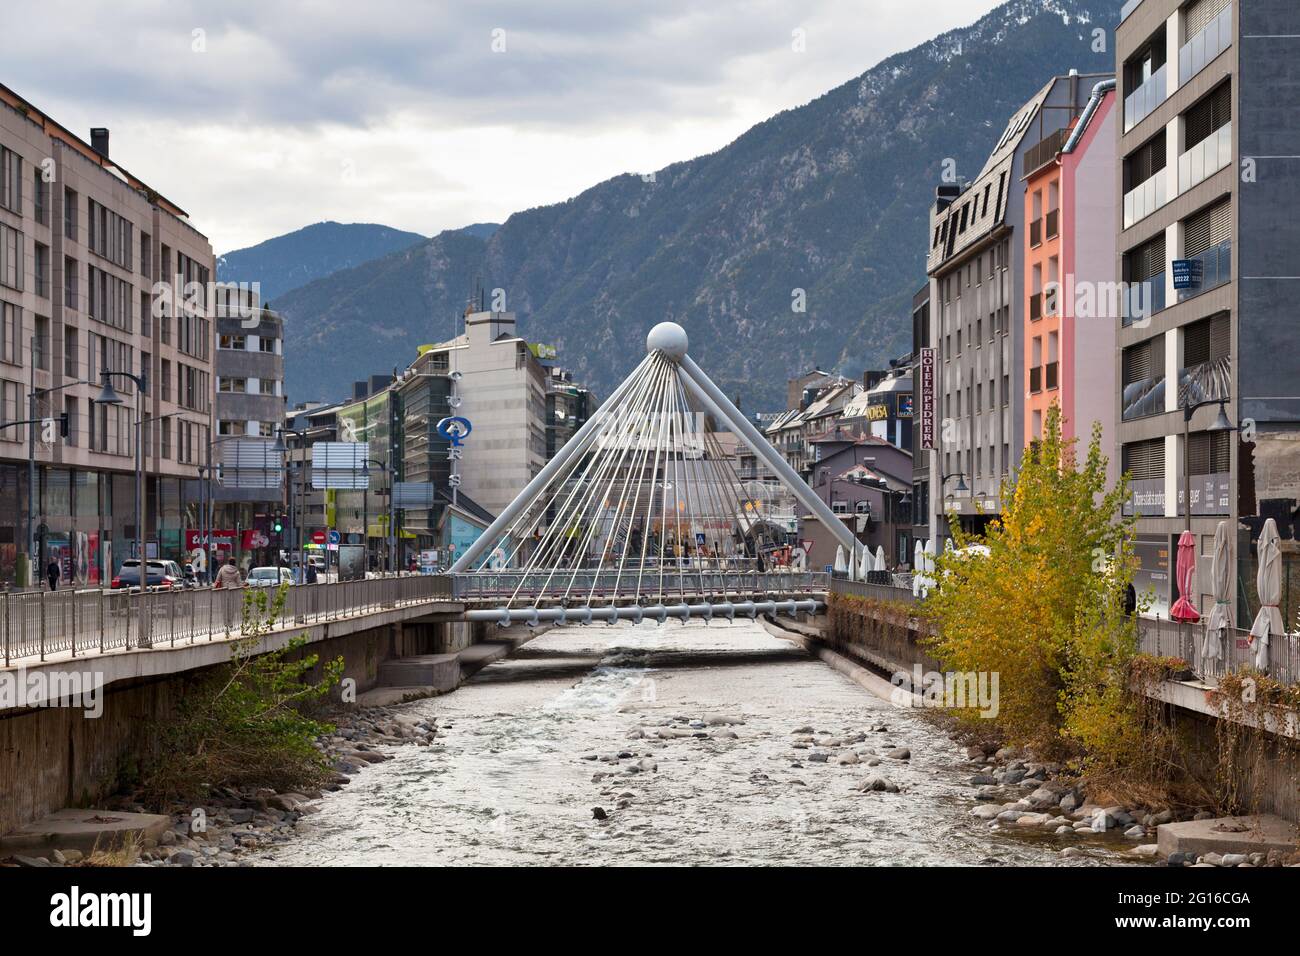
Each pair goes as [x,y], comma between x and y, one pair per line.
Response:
[830,198]
[297,258]
[481,230]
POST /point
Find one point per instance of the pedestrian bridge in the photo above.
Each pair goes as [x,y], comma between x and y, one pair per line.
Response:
[641,515]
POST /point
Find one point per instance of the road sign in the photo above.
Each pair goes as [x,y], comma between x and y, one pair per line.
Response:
[334,537]
[250,463]
[413,494]
[318,537]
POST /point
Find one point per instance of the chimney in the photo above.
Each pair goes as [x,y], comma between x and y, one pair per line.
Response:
[99,140]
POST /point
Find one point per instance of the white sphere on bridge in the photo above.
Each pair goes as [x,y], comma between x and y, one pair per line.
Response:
[669,338]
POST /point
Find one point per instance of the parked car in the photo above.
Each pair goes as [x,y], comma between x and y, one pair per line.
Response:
[158,574]
[269,577]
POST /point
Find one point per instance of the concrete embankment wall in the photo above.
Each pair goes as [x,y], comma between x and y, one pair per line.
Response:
[1265,768]
[55,757]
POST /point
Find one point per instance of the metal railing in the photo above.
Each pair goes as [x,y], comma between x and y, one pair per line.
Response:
[609,585]
[1163,638]
[900,590]
[1139,104]
[36,624]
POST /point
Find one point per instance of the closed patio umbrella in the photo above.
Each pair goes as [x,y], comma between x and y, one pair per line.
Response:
[1184,611]
[852,571]
[1217,621]
[864,563]
[839,566]
[880,558]
[918,567]
[1269,582]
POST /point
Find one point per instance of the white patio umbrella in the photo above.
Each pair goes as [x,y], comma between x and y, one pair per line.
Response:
[839,566]
[1217,621]
[880,558]
[852,571]
[929,568]
[864,563]
[1269,582]
[918,567]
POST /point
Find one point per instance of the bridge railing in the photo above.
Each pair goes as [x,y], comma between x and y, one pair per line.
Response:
[34,624]
[607,585]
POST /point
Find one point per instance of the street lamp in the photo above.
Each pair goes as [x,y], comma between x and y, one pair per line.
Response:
[961,488]
[1221,423]
[109,396]
[298,513]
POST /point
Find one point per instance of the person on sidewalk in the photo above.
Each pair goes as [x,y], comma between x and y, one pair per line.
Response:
[229,576]
[52,574]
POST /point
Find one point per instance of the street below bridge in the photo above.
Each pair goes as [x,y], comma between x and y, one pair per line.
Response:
[700,744]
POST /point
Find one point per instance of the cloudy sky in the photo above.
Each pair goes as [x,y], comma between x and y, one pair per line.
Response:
[261,116]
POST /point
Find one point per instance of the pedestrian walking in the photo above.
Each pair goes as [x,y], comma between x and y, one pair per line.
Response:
[52,574]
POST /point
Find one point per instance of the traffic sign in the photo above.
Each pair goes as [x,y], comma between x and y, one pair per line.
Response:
[334,537]
[318,537]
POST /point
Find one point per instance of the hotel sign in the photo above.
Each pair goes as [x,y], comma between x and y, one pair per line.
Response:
[927,398]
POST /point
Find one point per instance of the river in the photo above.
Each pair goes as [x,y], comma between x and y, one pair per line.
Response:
[510,779]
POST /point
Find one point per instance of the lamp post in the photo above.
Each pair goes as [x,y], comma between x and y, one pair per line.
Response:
[1220,424]
[109,396]
[298,514]
[961,487]
[389,545]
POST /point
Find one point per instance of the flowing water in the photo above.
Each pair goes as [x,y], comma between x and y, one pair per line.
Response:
[510,779]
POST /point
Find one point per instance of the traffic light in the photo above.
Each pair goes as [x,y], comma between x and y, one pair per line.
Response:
[278,524]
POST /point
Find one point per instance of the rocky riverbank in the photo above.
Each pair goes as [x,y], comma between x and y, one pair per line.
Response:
[1016,793]
[232,822]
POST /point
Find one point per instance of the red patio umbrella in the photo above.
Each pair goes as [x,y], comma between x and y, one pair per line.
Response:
[1183,610]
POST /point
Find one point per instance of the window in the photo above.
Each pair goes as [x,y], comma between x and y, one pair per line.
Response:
[146,257]
[110,299]
[69,282]
[42,267]
[1209,453]
[165,377]
[1145,161]
[71,355]
[11,180]
[1144,460]
[166,430]
[111,236]
[227,384]
[1142,370]
[227,427]
[265,344]
[70,213]
[11,410]
[11,257]
[70,409]
[41,344]
[232,342]
[266,429]
[1208,115]
[11,321]
[41,196]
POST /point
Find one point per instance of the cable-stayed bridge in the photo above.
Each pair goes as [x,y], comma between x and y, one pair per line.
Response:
[642,516]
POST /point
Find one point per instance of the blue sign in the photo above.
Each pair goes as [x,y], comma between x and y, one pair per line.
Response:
[334,537]
[1188,273]
[454,429]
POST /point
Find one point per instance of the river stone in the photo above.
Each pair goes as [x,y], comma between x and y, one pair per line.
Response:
[877,784]
[981,780]
[1146,850]
[1071,851]
[720,721]
[1010,816]
[181,858]
[598,813]
[805,729]
[1031,819]
[241,815]
[847,759]
[1063,829]
[1135,832]
[1068,802]
[1214,859]
[986,811]
[725,735]
[899,753]
[1041,799]
[1234,859]
[818,757]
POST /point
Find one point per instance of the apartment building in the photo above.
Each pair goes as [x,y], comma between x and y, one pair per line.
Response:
[1209,236]
[976,265]
[250,405]
[1073,298]
[921,378]
[98,273]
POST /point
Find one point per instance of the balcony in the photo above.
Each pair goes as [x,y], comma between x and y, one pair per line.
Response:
[1143,397]
[1144,298]
[1053,375]
[1146,198]
[1036,232]
[1214,271]
[1142,102]
[1036,379]
[1200,50]
[1205,158]
[1053,223]
[1044,151]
